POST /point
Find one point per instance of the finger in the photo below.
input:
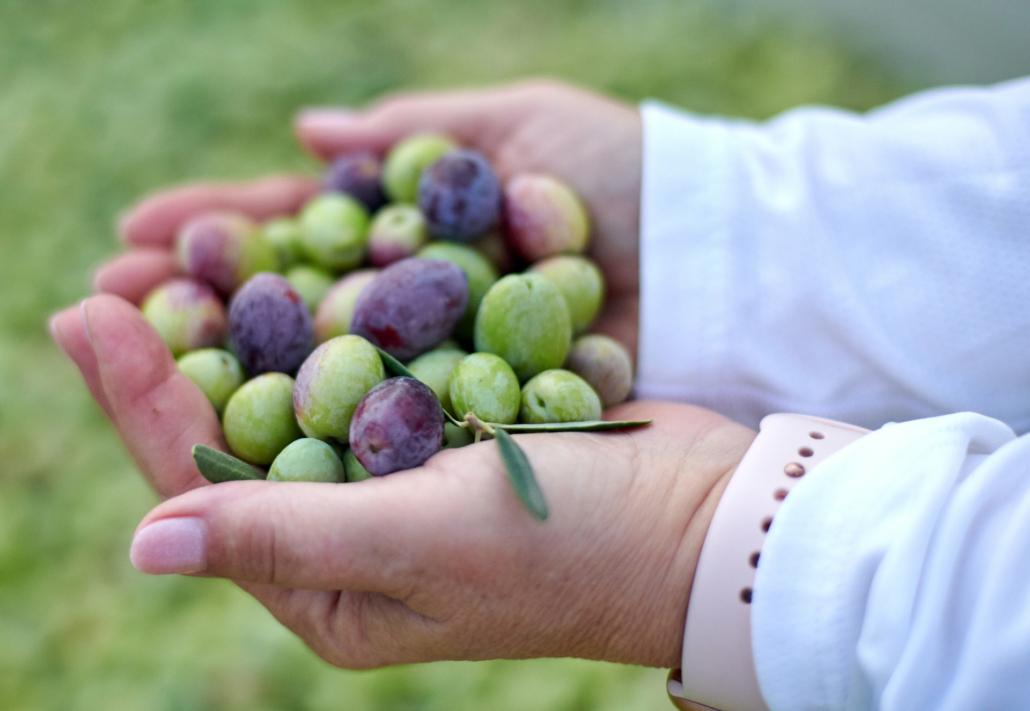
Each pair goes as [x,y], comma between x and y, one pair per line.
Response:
[159,412]
[479,119]
[154,221]
[134,274]
[383,535]
[299,535]
[68,329]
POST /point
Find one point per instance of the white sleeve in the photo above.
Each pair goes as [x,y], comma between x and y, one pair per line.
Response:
[896,575]
[866,268]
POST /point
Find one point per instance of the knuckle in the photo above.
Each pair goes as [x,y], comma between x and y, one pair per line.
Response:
[252,553]
[352,632]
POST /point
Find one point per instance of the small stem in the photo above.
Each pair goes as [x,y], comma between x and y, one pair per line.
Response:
[479,426]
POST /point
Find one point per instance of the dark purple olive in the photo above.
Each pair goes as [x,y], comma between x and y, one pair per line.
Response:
[270,326]
[398,425]
[358,175]
[411,306]
[460,196]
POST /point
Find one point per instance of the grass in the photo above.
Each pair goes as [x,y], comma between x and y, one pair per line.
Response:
[101,102]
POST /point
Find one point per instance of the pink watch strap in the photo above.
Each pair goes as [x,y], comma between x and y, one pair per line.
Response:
[718,667]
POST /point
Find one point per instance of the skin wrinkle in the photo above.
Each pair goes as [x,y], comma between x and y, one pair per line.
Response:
[152,402]
[363,622]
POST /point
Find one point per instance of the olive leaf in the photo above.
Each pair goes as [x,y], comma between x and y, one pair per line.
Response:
[590,426]
[394,366]
[218,466]
[520,474]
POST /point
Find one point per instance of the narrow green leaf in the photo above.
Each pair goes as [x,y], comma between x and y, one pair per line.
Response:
[394,366]
[218,466]
[520,474]
[591,426]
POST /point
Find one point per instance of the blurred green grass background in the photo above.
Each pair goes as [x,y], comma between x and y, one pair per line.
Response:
[103,101]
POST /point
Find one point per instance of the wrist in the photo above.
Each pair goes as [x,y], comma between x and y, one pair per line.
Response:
[701,479]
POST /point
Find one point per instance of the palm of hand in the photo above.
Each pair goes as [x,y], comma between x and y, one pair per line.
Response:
[439,562]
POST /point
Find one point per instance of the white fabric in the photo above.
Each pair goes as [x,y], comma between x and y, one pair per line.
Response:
[897,575]
[863,268]
[868,269]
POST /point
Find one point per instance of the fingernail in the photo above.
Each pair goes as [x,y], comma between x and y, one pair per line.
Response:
[325,119]
[85,322]
[170,546]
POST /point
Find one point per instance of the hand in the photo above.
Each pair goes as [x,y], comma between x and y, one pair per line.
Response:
[441,562]
[590,141]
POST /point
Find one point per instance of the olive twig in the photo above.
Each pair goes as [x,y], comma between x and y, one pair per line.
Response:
[479,426]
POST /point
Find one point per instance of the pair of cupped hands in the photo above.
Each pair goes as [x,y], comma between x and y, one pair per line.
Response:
[440,562]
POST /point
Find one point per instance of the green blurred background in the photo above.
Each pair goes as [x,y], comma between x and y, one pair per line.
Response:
[104,101]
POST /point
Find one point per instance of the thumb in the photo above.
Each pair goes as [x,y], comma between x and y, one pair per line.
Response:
[382,535]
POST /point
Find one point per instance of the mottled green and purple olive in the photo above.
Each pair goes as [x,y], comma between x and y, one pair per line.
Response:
[434,369]
[605,364]
[216,372]
[480,272]
[332,382]
[259,422]
[581,284]
[334,231]
[311,283]
[307,460]
[544,217]
[558,396]
[396,233]
[283,234]
[355,472]
[187,314]
[486,386]
[407,159]
[334,314]
[223,249]
[455,436]
[524,320]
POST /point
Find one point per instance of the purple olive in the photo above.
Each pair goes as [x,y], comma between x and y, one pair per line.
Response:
[460,196]
[358,175]
[398,425]
[411,306]
[270,326]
